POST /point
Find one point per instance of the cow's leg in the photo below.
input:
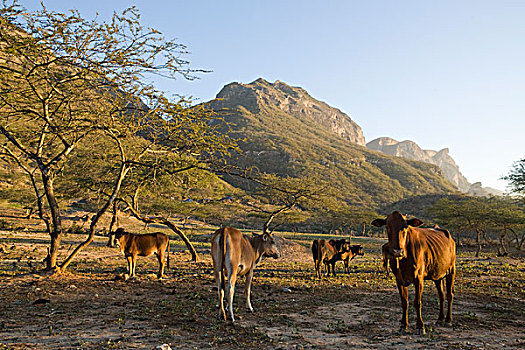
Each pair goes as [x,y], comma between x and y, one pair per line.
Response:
[333,268]
[129,258]
[450,293]
[403,293]
[230,290]
[439,287]
[248,290]
[162,261]
[317,268]
[346,266]
[133,264]
[418,285]
[219,278]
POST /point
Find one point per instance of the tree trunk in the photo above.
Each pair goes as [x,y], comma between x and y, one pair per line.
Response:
[502,236]
[94,220]
[52,252]
[478,243]
[113,223]
[519,243]
[56,232]
[194,255]
[274,214]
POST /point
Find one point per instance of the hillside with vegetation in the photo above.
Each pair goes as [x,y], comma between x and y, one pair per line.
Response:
[285,131]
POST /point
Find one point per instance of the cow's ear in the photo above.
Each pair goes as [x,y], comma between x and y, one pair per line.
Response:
[415,222]
[379,222]
[265,237]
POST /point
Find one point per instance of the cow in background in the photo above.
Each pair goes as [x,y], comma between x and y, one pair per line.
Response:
[235,255]
[341,245]
[322,253]
[346,256]
[131,245]
[416,254]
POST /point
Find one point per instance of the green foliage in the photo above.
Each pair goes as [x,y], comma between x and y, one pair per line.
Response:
[80,117]
[417,206]
[477,212]
[516,177]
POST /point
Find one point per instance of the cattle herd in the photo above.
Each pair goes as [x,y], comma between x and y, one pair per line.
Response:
[414,254]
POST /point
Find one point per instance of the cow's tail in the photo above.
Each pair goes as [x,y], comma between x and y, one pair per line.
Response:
[316,249]
[168,252]
[319,251]
[222,242]
[315,255]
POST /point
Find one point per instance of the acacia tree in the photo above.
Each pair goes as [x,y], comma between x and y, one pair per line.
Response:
[481,215]
[164,175]
[280,195]
[64,80]
[346,218]
[516,177]
[507,217]
[470,213]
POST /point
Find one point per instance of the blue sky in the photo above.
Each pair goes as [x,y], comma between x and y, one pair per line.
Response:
[440,73]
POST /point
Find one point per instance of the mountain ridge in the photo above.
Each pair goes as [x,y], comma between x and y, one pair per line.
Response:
[411,150]
[295,101]
[283,131]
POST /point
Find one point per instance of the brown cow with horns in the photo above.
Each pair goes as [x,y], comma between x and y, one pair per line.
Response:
[416,254]
[235,255]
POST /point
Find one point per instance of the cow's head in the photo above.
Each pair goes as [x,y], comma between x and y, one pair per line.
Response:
[119,233]
[357,249]
[397,227]
[341,245]
[268,246]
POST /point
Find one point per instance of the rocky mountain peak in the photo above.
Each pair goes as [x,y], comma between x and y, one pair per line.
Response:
[262,94]
[411,150]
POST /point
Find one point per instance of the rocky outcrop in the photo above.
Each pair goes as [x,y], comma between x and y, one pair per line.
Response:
[476,189]
[411,150]
[293,101]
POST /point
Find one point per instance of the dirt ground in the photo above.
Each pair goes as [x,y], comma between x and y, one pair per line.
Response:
[92,307]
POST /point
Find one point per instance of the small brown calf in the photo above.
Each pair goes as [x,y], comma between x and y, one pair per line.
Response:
[235,255]
[347,255]
[132,245]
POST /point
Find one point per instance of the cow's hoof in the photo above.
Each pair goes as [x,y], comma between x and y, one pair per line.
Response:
[420,331]
[448,324]
[440,322]
[403,331]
